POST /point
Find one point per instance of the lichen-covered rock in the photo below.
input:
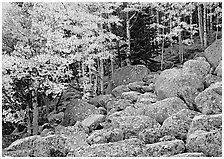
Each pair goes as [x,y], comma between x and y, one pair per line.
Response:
[117,91]
[150,78]
[118,105]
[131,96]
[147,98]
[78,110]
[105,136]
[101,100]
[193,154]
[163,109]
[218,70]
[129,74]
[16,153]
[170,81]
[167,138]
[133,125]
[150,136]
[206,123]
[126,148]
[167,148]
[149,88]
[188,94]
[210,100]
[209,143]
[23,144]
[46,132]
[177,125]
[213,53]
[200,68]
[210,79]
[136,86]
[93,121]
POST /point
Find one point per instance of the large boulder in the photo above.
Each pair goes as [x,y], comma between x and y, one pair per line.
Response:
[132,125]
[150,136]
[209,143]
[198,67]
[136,86]
[214,53]
[78,110]
[163,109]
[16,153]
[126,148]
[210,79]
[210,100]
[128,74]
[118,105]
[132,96]
[93,121]
[147,98]
[101,100]
[171,81]
[178,124]
[117,91]
[218,70]
[166,149]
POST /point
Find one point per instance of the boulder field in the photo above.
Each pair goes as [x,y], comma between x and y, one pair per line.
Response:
[177,113]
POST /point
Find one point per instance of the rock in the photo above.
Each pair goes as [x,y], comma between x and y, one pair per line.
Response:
[194,154]
[118,105]
[188,95]
[101,100]
[210,79]
[116,92]
[16,153]
[128,74]
[147,98]
[102,110]
[78,110]
[126,148]
[149,88]
[170,81]
[23,144]
[210,100]
[213,53]
[150,78]
[46,132]
[200,58]
[93,121]
[133,125]
[136,86]
[178,124]
[131,96]
[218,70]
[167,138]
[163,109]
[150,136]
[55,119]
[206,123]
[105,136]
[209,143]
[167,148]
[200,68]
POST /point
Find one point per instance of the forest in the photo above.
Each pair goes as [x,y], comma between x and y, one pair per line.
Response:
[55,51]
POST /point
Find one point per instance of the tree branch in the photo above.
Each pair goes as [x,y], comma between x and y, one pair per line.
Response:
[133,22]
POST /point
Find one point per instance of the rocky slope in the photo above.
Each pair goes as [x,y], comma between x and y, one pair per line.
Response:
[175,113]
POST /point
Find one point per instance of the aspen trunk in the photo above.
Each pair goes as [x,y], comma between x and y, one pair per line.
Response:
[101,76]
[119,53]
[29,129]
[181,59]
[191,27]
[200,25]
[162,50]
[112,66]
[217,29]
[35,113]
[171,44]
[205,27]
[128,40]
[211,16]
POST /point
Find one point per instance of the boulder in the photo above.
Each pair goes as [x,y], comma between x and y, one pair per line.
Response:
[149,88]
[136,86]
[93,121]
[218,70]
[167,138]
[150,136]
[170,81]
[133,125]
[177,125]
[188,95]
[198,67]
[205,123]
[128,74]
[118,105]
[16,153]
[147,98]
[131,96]
[213,53]
[105,136]
[101,100]
[193,154]
[210,79]
[126,148]
[167,148]
[117,91]
[78,110]
[208,143]
[163,109]
[23,144]
[210,100]
[150,78]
